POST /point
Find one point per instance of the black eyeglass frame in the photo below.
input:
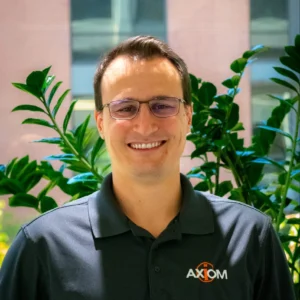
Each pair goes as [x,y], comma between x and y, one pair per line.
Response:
[143,102]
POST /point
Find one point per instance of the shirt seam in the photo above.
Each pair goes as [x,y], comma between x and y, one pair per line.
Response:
[55,209]
[30,240]
[219,199]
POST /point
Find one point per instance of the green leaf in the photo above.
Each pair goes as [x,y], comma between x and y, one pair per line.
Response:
[59,102]
[206,93]
[96,149]
[291,62]
[46,71]
[19,166]
[236,194]
[218,113]
[52,92]
[202,186]
[284,83]
[233,92]
[255,50]
[295,174]
[239,65]
[265,160]
[200,150]
[284,238]
[224,188]
[244,153]
[47,83]
[28,107]
[27,89]
[68,115]
[28,169]
[81,131]
[10,166]
[197,176]
[54,140]
[61,156]
[23,199]
[47,203]
[283,101]
[85,177]
[36,80]
[269,128]
[37,122]
[223,99]
[239,126]
[287,73]
[297,41]
[194,83]
[294,221]
[228,83]
[233,116]
[31,180]
[10,186]
[292,52]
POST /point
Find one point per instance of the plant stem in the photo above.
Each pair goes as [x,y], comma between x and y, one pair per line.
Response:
[288,176]
[71,147]
[218,172]
[209,180]
[294,256]
[235,174]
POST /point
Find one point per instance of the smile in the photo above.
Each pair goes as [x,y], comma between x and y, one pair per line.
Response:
[145,145]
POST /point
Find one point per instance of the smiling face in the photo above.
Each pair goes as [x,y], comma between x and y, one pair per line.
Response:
[145,146]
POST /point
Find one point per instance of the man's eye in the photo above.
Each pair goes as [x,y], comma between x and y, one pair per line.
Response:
[127,109]
[160,106]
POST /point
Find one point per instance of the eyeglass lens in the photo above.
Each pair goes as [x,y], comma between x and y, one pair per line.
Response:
[127,109]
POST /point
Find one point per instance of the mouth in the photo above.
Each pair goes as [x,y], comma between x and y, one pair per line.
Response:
[146,146]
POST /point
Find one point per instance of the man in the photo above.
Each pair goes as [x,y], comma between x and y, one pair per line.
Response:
[146,234]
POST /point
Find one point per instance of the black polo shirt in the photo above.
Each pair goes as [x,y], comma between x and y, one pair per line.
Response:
[88,249]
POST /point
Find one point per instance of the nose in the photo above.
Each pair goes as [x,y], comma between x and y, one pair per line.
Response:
[145,123]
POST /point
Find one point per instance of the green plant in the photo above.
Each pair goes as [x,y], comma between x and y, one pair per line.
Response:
[214,133]
[3,236]
[83,152]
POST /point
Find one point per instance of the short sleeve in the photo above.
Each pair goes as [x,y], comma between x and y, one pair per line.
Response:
[21,274]
[274,279]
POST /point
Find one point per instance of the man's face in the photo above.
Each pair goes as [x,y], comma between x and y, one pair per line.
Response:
[143,80]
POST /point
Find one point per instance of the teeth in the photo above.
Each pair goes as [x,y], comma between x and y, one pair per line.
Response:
[145,146]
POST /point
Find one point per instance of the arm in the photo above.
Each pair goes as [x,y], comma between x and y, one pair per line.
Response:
[20,274]
[274,279]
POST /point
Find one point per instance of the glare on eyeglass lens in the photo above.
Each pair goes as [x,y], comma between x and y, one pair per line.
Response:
[128,108]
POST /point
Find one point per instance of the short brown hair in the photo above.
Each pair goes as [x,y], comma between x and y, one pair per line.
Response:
[142,47]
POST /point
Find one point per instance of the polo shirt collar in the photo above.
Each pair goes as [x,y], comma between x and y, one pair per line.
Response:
[107,219]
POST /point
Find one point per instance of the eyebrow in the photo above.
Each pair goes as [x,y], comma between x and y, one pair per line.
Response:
[158,97]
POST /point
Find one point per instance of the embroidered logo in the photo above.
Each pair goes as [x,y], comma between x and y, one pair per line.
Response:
[206,273]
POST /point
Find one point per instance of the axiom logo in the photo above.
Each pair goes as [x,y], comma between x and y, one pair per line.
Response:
[205,272]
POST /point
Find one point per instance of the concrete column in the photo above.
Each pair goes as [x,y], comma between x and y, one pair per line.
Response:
[34,34]
[210,35]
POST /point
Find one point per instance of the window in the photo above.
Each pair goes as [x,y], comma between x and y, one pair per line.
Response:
[99,25]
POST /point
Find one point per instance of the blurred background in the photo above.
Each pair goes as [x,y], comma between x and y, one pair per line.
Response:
[72,35]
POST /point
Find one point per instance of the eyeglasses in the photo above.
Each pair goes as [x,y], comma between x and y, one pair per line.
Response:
[161,107]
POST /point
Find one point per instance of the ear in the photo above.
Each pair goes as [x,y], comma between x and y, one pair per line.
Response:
[98,115]
[189,115]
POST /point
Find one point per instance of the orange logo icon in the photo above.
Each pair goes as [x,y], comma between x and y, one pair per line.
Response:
[205,266]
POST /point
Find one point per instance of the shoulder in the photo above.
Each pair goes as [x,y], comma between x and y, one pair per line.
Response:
[58,220]
[240,216]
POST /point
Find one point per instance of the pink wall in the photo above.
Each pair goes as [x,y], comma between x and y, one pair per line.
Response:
[34,34]
[210,35]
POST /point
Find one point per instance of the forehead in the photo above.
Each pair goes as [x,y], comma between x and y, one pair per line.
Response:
[127,75]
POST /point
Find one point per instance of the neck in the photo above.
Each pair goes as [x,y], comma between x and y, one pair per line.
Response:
[150,204]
